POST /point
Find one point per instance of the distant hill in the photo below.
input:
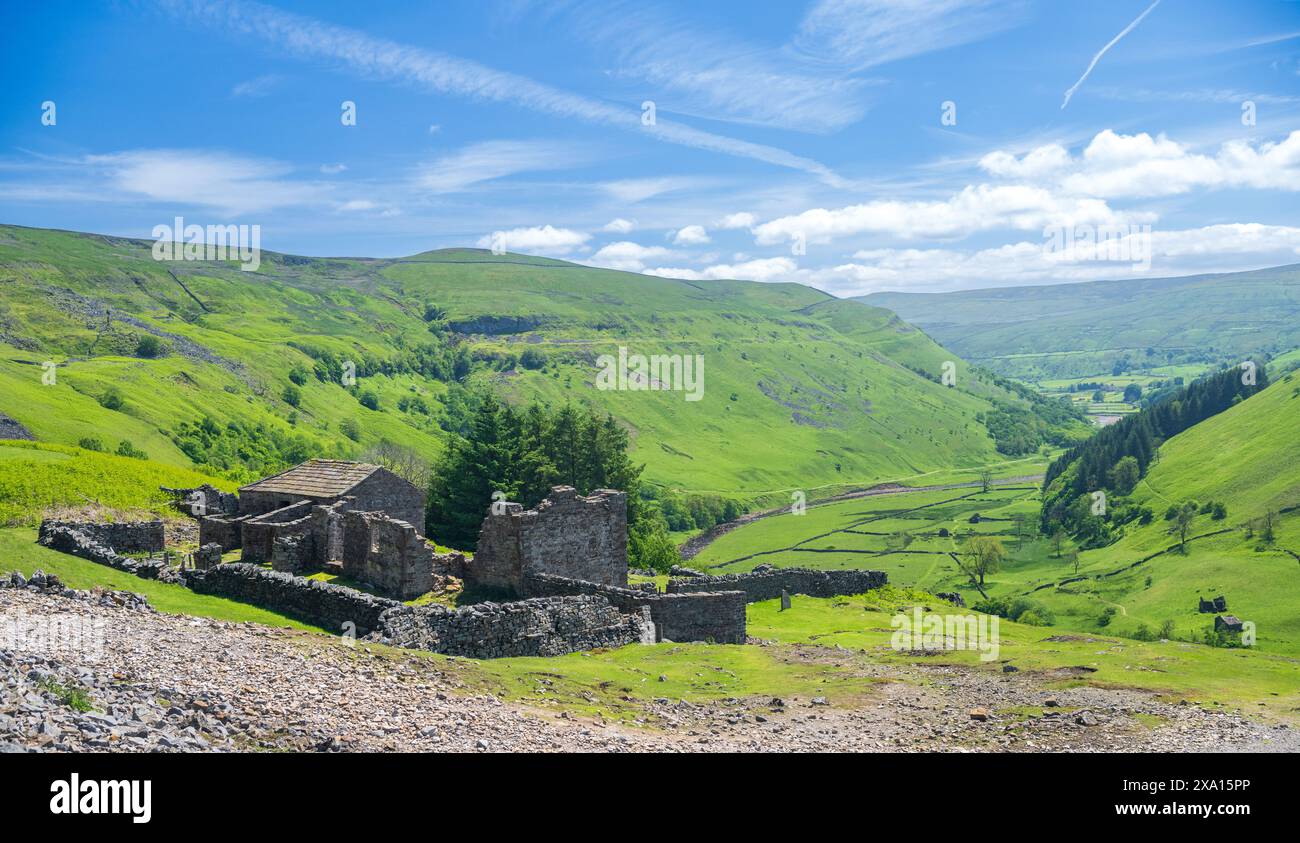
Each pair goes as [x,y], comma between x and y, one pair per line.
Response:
[200,364]
[1080,330]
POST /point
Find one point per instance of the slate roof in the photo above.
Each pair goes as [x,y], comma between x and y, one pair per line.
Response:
[315,479]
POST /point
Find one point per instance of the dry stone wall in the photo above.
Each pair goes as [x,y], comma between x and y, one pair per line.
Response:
[767,583]
[538,627]
[122,537]
[716,616]
[64,539]
[387,554]
[323,604]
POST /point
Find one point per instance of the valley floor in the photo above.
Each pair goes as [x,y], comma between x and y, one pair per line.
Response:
[174,682]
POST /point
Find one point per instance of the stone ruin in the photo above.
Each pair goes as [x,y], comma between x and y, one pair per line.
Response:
[1218,604]
[565,561]
[567,535]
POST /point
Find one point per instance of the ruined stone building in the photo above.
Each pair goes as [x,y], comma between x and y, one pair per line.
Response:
[372,488]
[568,535]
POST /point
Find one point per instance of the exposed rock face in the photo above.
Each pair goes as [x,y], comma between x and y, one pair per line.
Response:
[12,429]
[567,535]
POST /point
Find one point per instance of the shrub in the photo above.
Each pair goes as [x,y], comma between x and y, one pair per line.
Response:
[90,443]
[350,429]
[532,358]
[127,449]
[292,395]
[1219,511]
[299,375]
[369,400]
[149,346]
[112,399]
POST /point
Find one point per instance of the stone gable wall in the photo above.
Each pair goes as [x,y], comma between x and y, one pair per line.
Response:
[385,492]
[767,583]
[567,535]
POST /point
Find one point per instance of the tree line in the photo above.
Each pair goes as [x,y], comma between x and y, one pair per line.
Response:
[521,454]
[1119,456]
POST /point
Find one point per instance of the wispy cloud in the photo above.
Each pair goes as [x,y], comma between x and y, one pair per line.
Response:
[864,33]
[1103,51]
[435,71]
[490,160]
[256,87]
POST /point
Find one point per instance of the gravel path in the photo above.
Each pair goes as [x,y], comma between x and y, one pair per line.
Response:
[176,683]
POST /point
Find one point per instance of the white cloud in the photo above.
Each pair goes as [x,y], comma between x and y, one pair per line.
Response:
[691,235]
[631,191]
[1215,248]
[229,183]
[740,220]
[620,225]
[629,256]
[490,160]
[332,169]
[763,269]
[1115,165]
[542,240]
[975,208]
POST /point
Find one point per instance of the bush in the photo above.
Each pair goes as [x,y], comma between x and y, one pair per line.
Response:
[292,395]
[532,358]
[299,375]
[112,399]
[1218,511]
[149,346]
[126,449]
[369,400]
[90,443]
[350,429]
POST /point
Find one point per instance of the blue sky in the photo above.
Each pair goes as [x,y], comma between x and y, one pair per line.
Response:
[800,141]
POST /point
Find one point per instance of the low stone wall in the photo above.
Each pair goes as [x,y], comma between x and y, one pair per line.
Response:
[122,536]
[218,529]
[324,604]
[538,627]
[67,540]
[717,616]
[767,583]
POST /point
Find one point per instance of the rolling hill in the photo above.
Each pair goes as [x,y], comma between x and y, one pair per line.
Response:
[1080,330]
[198,364]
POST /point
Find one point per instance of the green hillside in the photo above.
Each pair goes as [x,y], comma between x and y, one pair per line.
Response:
[1078,330]
[245,372]
[1245,458]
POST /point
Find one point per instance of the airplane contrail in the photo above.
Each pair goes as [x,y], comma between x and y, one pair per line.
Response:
[1102,52]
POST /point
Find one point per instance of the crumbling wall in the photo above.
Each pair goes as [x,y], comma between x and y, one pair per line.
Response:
[715,616]
[767,583]
[567,535]
[258,535]
[221,530]
[539,627]
[388,554]
[204,500]
[67,540]
[122,536]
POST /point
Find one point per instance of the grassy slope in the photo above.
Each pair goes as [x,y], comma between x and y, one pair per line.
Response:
[1244,457]
[37,476]
[1076,330]
[797,383]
